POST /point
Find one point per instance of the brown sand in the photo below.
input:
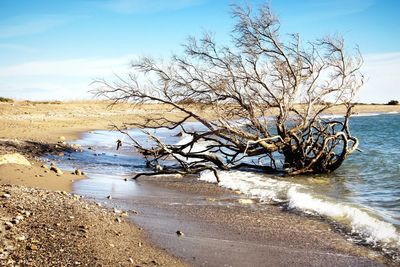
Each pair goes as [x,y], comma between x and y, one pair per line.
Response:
[47,228]
[35,176]
[35,128]
[38,174]
[61,229]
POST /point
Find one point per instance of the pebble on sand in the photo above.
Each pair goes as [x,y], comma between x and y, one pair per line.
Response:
[56,170]
[245,201]
[5,195]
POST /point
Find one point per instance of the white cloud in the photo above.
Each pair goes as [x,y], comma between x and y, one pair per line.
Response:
[80,67]
[58,79]
[70,79]
[137,6]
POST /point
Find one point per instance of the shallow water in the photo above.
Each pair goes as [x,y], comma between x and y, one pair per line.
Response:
[362,195]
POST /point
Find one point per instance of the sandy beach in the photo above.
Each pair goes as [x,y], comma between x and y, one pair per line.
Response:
[44,225]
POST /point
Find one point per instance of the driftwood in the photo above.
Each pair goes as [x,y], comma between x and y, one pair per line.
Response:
[266,98]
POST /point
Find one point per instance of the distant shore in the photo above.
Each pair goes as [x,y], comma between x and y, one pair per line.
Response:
[46,122]
[32,129]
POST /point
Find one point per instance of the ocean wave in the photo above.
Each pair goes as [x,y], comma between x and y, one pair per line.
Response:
[300,197]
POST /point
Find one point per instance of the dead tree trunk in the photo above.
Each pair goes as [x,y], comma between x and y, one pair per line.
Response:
[266,97]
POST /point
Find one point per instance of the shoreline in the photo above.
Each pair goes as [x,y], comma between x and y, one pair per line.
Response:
[43,135]
[220,228]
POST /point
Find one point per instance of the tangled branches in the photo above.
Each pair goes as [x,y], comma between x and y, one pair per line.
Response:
[267,98]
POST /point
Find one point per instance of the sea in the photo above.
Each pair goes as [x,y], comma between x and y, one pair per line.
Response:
[361,198]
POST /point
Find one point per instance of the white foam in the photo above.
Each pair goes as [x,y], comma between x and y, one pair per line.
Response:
[300,197]
[326,116]
[334,116]
[197,147]
[366,114]
[360,221]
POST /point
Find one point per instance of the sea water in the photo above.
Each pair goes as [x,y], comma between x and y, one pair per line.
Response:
[363,195]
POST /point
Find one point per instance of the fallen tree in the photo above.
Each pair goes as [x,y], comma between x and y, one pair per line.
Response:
[266,93]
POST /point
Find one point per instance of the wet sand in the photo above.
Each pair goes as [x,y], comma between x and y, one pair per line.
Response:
[219,231]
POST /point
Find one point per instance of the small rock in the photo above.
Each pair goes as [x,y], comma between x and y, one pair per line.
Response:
[56,170]
[26,213]
[78,172]
[61,138]
[14,158]
[112,245]
[6,195]
[15,221]
[118,220]
[130,260]
[109,197]
[126,179]
[32,247]
[61,154]
[246,201]
[83,230]
[180,233]
[20,238]
[44,166]
[9,225]
[140,244]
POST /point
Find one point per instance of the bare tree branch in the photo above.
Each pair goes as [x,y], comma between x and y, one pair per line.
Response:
[267,97]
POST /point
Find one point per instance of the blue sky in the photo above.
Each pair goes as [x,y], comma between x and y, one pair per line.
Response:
[54,49]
